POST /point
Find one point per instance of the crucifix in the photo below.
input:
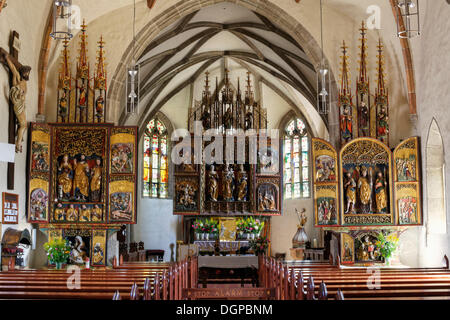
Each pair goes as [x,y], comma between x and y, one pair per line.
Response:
[19,75]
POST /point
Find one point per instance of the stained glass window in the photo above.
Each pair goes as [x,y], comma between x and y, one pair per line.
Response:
[156,166]
[296,161]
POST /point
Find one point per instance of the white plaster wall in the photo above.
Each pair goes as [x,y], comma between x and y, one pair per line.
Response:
[30,25]
[431,62]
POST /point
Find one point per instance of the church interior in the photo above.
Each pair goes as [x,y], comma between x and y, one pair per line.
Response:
[183,149]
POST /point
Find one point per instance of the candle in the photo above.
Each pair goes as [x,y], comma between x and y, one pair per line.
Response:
[315,243]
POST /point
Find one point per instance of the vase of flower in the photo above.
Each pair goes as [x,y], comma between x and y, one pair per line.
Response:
[252,236]
[58,265]
[207,236]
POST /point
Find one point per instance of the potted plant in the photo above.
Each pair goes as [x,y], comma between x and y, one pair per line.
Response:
[58,251]
[259,245]
[386,244]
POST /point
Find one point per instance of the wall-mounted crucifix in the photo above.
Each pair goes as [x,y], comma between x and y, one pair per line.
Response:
[19,75]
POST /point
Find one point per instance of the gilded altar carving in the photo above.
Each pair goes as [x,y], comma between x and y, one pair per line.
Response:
[367,192]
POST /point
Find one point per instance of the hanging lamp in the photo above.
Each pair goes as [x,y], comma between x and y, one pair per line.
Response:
[323,77]
[62,20]
[133,72]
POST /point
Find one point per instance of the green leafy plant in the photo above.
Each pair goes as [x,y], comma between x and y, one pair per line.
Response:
[259,245]
[386,244]
[58,251]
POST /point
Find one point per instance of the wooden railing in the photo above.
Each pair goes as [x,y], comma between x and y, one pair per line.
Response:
[288,284]
[167,285]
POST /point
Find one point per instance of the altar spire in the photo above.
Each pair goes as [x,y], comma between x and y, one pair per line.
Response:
[100,73]
[64,72]
[381,100]
[345,104]
[83,64]
[362,90]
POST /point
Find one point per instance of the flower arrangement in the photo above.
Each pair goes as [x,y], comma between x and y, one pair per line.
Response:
[58,251]
[259,245]
[206,226]
[249,225]
[387,244]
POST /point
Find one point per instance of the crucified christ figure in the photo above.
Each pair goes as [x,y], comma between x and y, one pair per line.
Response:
[17,93]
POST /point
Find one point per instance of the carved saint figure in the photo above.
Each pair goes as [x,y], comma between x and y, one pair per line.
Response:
[364,120]
[228,119]
[228,183]
[96,181]
[85,214]
[346,123]
[213,186]
[248,120]
[63,106]
[97,213]
[350,192]
[365,190]
[206,119]
[65,178]
[380,193]
[383,124]
[72,213]
[81,180]
[82,97]
[17,93]
[59,214]
[242,184]
[99,107]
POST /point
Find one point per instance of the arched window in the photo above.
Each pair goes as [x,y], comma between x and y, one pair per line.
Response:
[437,217]
[296,160]
[156,163]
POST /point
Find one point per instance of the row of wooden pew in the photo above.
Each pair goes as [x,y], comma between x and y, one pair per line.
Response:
[98,283]
[322,280]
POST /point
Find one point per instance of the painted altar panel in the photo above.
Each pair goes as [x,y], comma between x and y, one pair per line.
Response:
[326,177]
[122,199]
[268,196]
[407,179]
[123,150]
[347,249]
[79,173]
[39,174]
[99,247]
[366,198]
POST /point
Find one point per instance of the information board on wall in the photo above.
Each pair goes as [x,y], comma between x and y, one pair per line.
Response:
[10,207]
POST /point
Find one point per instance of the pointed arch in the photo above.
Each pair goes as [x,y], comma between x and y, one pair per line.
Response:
[435,170]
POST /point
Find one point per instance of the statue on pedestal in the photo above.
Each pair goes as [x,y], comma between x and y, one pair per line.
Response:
[213,184]
[242,184]
[228,183]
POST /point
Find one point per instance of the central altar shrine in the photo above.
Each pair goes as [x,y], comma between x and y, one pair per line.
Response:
[246,183]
